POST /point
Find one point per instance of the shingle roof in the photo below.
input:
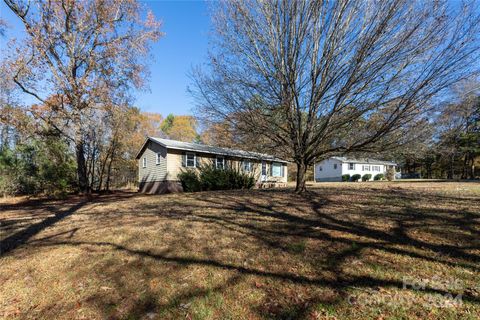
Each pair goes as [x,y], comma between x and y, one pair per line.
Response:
[197,147]
[367,160]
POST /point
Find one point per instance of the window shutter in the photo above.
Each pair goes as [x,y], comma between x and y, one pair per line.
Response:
[282,170]
[197,161]
[184,159]
[271,169]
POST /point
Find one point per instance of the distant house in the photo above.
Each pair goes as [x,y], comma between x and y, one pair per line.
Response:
[333,168]
[161,160]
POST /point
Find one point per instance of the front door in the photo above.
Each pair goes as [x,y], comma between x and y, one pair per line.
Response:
[264,171]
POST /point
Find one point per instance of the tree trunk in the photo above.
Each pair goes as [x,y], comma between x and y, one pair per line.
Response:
[429,171]
[465,167]
[472,167]
[109,169]
[301,173]
[102,171]
[109,173]
[450,169]
[92,167]
[81,167]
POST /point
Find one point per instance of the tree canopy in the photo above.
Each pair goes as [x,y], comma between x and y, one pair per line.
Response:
[79,60]
[319,78]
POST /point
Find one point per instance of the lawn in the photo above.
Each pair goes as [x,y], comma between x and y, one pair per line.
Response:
[374,250]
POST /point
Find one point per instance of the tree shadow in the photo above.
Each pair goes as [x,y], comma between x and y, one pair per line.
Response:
[274,219]
[52,215]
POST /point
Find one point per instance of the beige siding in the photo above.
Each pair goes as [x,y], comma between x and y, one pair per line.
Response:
[153,171]
[174,165]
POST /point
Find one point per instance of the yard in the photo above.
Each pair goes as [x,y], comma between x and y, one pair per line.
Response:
[374,250]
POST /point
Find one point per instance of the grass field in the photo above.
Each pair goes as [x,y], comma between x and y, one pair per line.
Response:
[378,250]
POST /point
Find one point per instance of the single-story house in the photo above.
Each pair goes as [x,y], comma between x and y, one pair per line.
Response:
[333,168]
[161,160]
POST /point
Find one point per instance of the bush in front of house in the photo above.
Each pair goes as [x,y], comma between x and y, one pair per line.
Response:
[212,178]
[190,181]
[208,178]
[378,177]
[346,177]
[366,177]
[356,177]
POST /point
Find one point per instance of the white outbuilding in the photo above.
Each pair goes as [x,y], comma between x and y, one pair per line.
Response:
[333,168]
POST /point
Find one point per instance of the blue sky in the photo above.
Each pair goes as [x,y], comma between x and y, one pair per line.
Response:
[186,25]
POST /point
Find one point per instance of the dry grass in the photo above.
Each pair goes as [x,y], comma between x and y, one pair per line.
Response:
[342,251]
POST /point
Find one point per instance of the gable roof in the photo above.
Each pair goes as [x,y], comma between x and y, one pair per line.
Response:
[197,147]
[366,160]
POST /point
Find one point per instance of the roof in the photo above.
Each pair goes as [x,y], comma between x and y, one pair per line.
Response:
[366,160]
[197,147]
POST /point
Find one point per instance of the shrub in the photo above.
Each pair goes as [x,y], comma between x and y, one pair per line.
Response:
[366,177]
[378,177]
[190,181]
[38,166]
[346,177]
[356,177]
[390,174]
[211,178]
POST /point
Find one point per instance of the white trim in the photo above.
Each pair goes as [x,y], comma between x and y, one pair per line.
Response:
[273,164]
[223,162]
[248,167]
[194,160]
[263,171]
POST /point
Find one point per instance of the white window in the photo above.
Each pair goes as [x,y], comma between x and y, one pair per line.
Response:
[351,166]
[247,166]
[335,166]
[277,169]
[159,156]
[366,167]
[190,160]
[376,168]
[220,162]
[144,162]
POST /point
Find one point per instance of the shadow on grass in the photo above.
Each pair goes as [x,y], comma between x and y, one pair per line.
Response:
[275,218]
[19,236]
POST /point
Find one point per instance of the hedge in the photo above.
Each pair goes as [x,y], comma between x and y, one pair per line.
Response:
[366,177]
[207,178]
[356,177]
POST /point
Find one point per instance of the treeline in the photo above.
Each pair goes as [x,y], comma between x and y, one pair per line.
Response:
[452,149]
[36,159]
[446,145]
[67,118]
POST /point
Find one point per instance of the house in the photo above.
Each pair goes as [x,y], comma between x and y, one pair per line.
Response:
[161,160]
[333,168]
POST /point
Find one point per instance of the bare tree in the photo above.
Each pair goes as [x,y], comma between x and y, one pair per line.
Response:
[318,78]
[87,53]
[3,26]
